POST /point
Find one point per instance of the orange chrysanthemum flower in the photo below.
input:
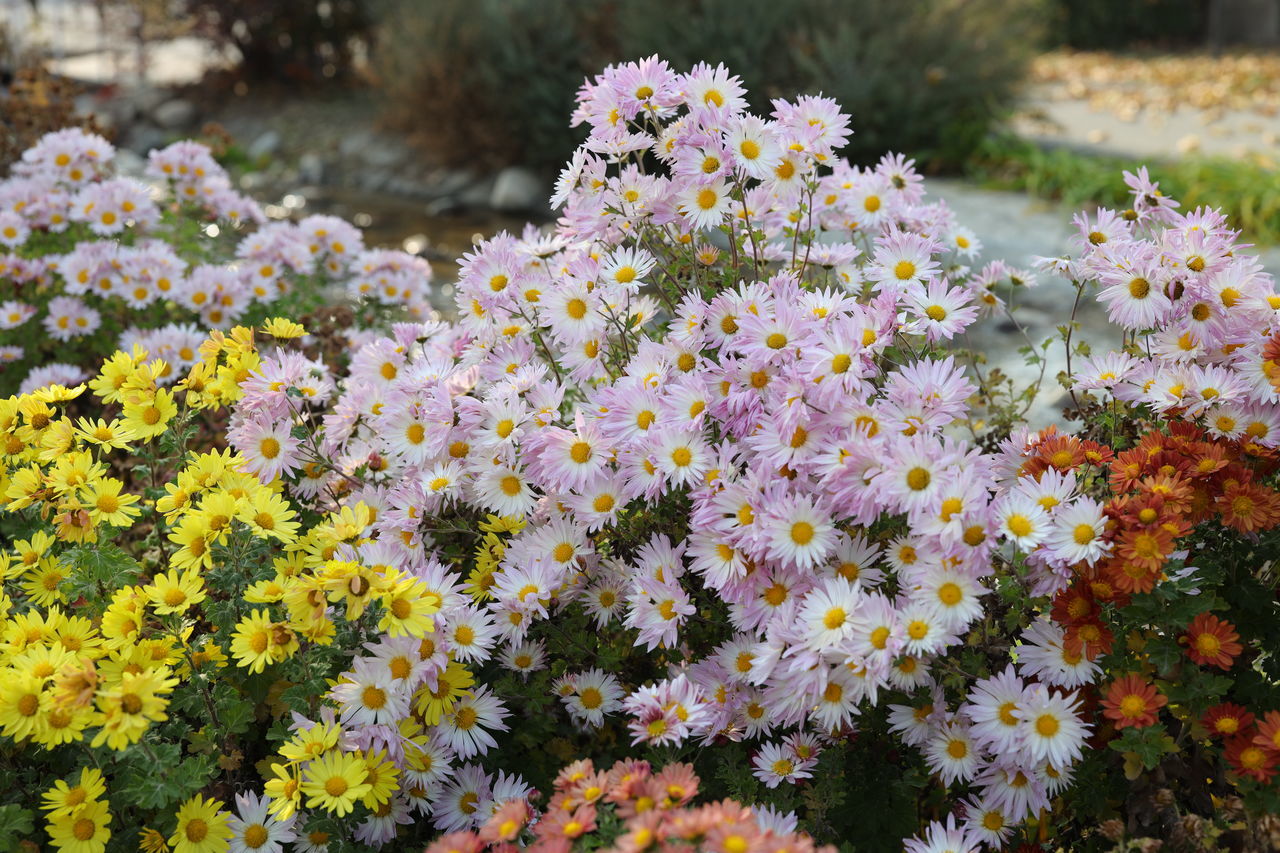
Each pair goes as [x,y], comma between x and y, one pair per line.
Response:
[1212,641]
[1131,701]
[1127,469]
[1146,547]
[1132,577]
[1251,759]
[1227,719]
[1247,507]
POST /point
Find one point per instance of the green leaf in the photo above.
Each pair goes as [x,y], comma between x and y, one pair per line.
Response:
[98,569]
[16,823]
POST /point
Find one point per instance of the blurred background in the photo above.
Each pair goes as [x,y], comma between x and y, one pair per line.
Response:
[429,121]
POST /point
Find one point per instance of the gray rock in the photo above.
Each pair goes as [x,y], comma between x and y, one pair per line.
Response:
[265,145]
[517,190]
[477,195]
[373,180]
[311,168]
[449,182]
[442,206]
[384,153]
[129,164]
[174,115]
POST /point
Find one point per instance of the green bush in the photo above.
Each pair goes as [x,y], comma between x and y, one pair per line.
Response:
[487,82]
[1117,24]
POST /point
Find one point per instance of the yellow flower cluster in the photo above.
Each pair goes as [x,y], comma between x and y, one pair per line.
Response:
[103,669]
[77,815]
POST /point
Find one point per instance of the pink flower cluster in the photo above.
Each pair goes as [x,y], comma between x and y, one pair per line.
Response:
[1199,306]
[66,180]
[748,334]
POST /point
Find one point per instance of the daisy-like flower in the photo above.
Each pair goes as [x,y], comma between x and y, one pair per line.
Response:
[941,312]
[992,707]
[269,448]
[1249,758]
[595,693]
[1134,296]
[1076,534]
[952,753]
[254,830]
[203,826]
[465,728]
[336,782]
[800,532]
[1131,701]
[901,260]
[626,268]
[775,764]
[943,838]
[829,613]
[754,145]
[1051,730]
[1022,521]
[174,592]
[705,205]
[370,696]
[1212,641]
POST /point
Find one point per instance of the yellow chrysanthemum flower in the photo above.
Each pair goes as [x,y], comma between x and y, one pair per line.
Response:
[107,505]
[336,782]
[258,641]
[283,328]
[408,606]
[451,685]
[84,832]
[23,703]
[129,706]
[148,415]
[66,799]
[113,435]
[115,371]
[202,827]
[175,592]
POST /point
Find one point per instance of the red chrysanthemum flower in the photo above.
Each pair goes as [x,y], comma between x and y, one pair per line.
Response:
[1269,732]
[1074,605]
[1131,701]
[1212,641]
[1093,638]
[1251,759]
[1227,719]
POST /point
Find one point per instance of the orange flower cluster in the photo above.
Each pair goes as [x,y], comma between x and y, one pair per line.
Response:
[1162,489]
[654,811]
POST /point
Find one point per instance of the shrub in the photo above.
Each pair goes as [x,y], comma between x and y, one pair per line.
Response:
[926,76]
[297,40]
[695,481]
[1107,25]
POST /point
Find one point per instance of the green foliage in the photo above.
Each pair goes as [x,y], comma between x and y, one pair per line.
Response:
[1104,24]
[15,823]
[1247,191]
[922,76]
